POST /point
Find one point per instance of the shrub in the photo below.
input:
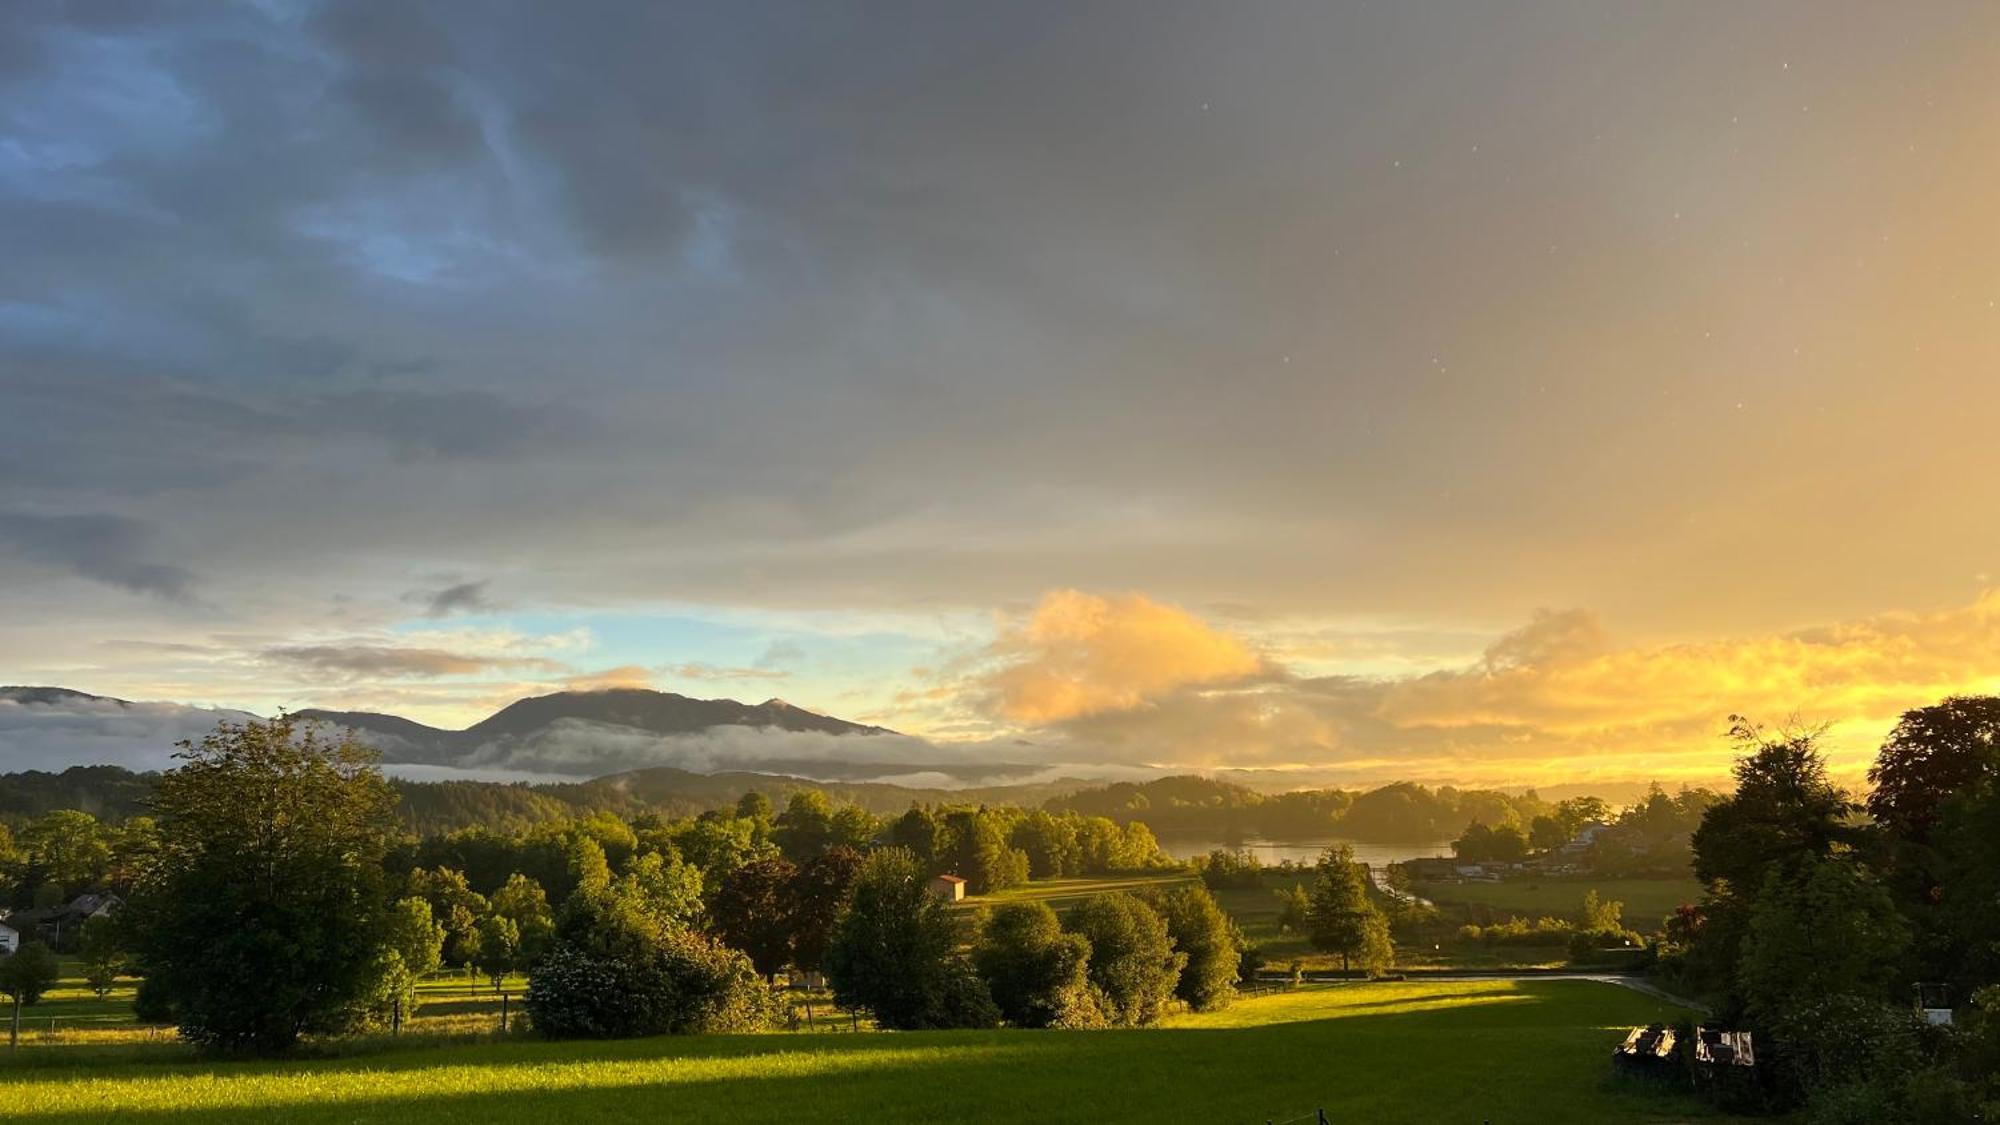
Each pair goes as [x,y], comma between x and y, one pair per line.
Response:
[615,972]
[1205,935]
[894,952]
[1222,868]
[1037,974]
[1133,963]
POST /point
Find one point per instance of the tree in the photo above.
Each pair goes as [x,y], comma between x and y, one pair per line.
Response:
[589,871]
[1965,950]
[1038,975]
[412,948]
[499,948]
[753,912]
[894,952]
[103,954]
[1932,754]
[616,972]
[455,906]
[25,975]
[981,853]
[1133,963]
[805,828]
[753,806]
[522,902]
[1342,919]
[918,832]
[68,848]
[1599,916]
[1576,812]
[1294,909]
[1204,934]
[1474,842]
[820,891]
[664,887]
[1784,808]
[263,918]
[135,846]
[1049,842]
[1546,834]
[1828,929]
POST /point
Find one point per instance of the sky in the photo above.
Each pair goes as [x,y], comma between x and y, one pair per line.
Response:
[1494,394]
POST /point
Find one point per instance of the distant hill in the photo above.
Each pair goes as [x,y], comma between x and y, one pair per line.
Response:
[584,731]
[430,807]
[579,734]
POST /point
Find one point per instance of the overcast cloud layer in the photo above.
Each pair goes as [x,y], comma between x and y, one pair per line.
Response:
[420,356]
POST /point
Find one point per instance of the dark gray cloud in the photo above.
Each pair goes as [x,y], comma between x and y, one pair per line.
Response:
[459,597]
[1427,312]
[376,661]
[114,550]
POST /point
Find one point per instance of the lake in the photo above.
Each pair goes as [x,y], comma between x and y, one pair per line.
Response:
[1304,851]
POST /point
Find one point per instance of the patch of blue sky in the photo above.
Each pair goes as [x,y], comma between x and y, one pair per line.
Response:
[818,654]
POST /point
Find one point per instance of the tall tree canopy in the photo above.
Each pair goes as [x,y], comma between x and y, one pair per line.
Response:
[1784,806]
[895,952]
[1932,754]
[1039,975]
[263,918]
[1340,917]
[1133,962]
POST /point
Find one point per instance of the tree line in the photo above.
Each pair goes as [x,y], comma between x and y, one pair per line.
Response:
[1826,916]
[271,855]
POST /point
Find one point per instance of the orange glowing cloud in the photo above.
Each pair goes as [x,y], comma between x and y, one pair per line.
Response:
[1082,654]
[1130,679]
[1868,669]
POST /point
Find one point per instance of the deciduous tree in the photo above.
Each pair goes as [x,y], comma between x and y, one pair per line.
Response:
[1039,976]
[264,917]
[1133,963]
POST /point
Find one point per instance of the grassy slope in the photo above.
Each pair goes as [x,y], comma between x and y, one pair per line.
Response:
[1459,1051]
[1646,900]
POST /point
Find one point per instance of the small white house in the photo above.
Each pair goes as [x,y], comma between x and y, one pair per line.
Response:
[10,938]
[948,888]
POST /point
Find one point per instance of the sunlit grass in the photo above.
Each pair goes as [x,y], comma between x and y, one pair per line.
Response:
[1385,1052]
[1646,901]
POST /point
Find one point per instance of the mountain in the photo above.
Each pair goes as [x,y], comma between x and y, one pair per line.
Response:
[661,712]
[594,732]
[53,727]
[566,735]
[53,696]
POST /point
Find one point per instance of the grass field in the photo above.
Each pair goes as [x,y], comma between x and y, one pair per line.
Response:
[1646,900]
[1500,1051]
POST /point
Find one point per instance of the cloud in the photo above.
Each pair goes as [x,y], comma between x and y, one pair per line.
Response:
[113,550]
[582,748]
[367,661]
[623,676]
[460,597]
[82,731]
[1869,669]
[1556,699]
[1080,654]
[701,671]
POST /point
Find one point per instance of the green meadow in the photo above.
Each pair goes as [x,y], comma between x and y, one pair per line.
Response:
[1646,900]
[1471,1051]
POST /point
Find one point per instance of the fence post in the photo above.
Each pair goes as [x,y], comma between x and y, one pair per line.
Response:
[396,1017]
[503,1012]
[1322,1117]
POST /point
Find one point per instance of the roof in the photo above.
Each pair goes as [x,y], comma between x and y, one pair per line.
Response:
[950,879]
